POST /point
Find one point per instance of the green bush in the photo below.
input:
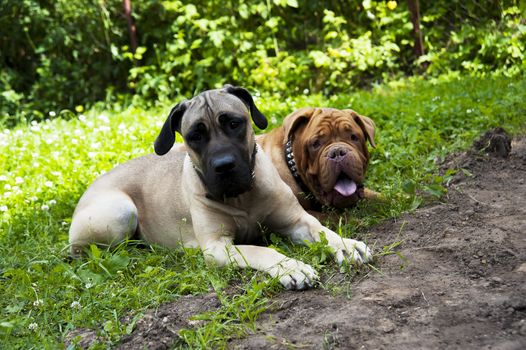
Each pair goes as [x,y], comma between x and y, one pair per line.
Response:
[58,54]
[68,54]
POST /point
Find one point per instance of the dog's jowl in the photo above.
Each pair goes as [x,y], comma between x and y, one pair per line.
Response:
[222,190]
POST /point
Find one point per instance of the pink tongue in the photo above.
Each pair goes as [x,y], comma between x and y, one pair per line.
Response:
[345,187]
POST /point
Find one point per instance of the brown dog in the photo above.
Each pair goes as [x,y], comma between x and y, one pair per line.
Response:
[321,153]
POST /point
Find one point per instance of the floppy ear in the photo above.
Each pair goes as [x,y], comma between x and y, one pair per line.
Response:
[293,121]
[259,119]
[367,126]
[166,138]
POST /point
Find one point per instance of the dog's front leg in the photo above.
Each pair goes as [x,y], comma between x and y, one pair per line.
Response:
[292,273]
[304,227]
[215,237]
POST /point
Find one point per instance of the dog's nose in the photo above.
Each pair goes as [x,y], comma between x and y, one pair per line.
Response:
[223,164]
[337,154]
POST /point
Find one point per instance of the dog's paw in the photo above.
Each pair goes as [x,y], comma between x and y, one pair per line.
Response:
[294,274]
[353,251]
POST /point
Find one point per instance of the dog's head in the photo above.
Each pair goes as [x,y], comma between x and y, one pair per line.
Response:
[217,130]
[330,150]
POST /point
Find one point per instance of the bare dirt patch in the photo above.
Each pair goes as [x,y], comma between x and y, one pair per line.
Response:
[461,285]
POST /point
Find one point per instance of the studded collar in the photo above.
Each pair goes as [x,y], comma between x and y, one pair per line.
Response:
[291,164]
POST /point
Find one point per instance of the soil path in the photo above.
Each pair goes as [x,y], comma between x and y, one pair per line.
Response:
[462,284]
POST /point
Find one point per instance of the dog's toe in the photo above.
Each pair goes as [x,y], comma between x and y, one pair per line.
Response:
[296,275]
[364,251]
[353,251]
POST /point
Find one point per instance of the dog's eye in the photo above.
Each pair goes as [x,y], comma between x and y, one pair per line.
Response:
[316,144]
[195,137]
[354,137]
[234,124]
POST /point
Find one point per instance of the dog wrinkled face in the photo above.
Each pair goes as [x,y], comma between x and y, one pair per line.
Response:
[331,152]
[218,133]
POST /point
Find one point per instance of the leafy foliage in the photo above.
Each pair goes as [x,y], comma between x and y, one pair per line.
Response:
[67,54]
[57,54]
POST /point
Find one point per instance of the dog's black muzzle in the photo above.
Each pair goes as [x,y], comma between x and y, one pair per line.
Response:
[228,173]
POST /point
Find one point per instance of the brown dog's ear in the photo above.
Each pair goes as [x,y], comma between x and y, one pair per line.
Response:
[259,119]
[293,121]
[166,138]
[366,124]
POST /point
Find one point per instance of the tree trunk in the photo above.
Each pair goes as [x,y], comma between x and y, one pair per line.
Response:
[414,13]
[131,26]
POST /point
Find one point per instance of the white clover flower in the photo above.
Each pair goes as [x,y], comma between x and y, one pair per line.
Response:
[52,202]
[3,208]
[306,91]
[75,305]
[52,113]
[74,141]
[3,178]
[38,303]
[77,132]
[7,187]
[45,207]
[82,118]
[88,285]
[92,154]
[34,122]
[33,199]
[48,184]
[104,118]
[469,110]
[56,173]
[7,194]
[122,126]
[33,326]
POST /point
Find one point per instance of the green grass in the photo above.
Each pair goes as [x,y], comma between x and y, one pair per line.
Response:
[47,166]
